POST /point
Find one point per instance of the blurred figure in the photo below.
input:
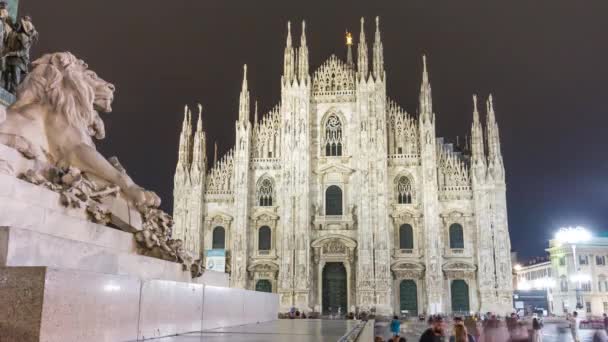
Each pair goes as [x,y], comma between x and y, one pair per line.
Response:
[537,334]
[600,336]
[460,333]
[605,322]
[574,325]
[395,326]
[472,328]
[436,332]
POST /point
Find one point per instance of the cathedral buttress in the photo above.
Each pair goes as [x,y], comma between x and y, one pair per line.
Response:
[294,285]
[430,201]
[241,190]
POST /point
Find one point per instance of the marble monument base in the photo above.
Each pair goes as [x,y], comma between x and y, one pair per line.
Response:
[64,278]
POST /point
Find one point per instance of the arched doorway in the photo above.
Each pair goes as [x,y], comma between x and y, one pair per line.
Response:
[263,285]
[408,296]
[460,296]
[334,288]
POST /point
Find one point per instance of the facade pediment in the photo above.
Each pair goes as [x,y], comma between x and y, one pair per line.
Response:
[459,266]
[320,242]
[263,266]
[219,216]
[407,265]
[334,168]
[404,212]
[455,214]
[265,214]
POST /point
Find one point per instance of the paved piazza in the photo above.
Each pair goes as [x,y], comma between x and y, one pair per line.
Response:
[280,330]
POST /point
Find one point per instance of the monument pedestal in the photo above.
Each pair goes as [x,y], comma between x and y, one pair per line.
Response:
[64,278]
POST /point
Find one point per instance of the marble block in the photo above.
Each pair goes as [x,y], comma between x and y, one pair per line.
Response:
[24,247]
[223,307]
[214,278]
[170,308]
[46,304]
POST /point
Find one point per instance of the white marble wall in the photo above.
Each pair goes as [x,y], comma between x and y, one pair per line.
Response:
[49,304]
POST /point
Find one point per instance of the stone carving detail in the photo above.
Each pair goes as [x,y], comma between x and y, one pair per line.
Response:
[220,177]
[453,176]
[402,131]
[334,246]
[334,80]
[266,135]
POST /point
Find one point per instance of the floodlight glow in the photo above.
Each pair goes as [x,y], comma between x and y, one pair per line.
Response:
[580,277]
[523,286]
[572,235]
[517,267]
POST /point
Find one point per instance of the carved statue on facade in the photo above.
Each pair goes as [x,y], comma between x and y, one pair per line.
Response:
[16,52]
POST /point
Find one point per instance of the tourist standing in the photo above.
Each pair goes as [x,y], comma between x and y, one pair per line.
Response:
[537,334]
[395,326]
[574,325]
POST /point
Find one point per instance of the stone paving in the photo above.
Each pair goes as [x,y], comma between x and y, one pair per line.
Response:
[300,330]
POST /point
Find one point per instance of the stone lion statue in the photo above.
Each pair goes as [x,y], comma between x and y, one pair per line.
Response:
[56,116]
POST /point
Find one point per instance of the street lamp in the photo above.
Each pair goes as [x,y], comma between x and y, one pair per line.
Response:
[572,236]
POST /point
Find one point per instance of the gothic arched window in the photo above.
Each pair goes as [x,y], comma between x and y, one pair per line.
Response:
[265,193]
[333,136]
[404,190]
[219,238]
[456,236]
[333,200]
[264,238]
[406,237]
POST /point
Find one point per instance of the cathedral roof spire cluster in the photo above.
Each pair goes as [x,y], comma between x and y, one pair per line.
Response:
[295,60]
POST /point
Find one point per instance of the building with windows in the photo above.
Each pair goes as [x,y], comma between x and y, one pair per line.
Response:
[340,198]
[580,273]
[534,286]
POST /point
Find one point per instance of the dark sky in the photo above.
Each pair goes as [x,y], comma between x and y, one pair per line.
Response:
[544,61]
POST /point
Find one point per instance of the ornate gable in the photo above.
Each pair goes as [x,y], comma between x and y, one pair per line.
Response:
[334,81]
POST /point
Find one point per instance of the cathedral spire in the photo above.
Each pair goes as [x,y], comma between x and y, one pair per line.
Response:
[215,153]
[477,149]
[289,57]
[244,99]
[378,53]
[255,114]
[183,161]
[492,133]
[303,55]
[199,151]
[349,49]
[362,61]
[425,101]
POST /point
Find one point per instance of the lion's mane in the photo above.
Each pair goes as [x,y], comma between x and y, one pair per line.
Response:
[58,80]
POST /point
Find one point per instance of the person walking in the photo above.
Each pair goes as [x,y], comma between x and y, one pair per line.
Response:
[537,334]
[395,326]
[574,325]
[606,322]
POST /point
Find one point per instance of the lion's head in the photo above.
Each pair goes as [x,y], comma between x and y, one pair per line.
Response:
[68,87]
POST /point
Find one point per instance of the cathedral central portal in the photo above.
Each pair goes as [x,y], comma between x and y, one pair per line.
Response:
[334,288]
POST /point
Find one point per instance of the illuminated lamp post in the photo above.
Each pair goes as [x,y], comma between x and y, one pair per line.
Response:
[572,236]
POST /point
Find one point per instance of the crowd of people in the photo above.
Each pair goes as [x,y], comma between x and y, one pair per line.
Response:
[491,328]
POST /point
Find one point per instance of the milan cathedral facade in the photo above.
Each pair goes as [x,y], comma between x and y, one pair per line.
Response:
[338,199]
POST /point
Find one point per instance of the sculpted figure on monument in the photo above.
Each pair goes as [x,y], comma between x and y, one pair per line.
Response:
[55,116]
[52,124]
[16,53]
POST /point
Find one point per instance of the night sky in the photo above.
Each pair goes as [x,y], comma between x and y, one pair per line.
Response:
[543,61]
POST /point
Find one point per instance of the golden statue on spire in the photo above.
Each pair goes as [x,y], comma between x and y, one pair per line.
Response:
[349,38]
